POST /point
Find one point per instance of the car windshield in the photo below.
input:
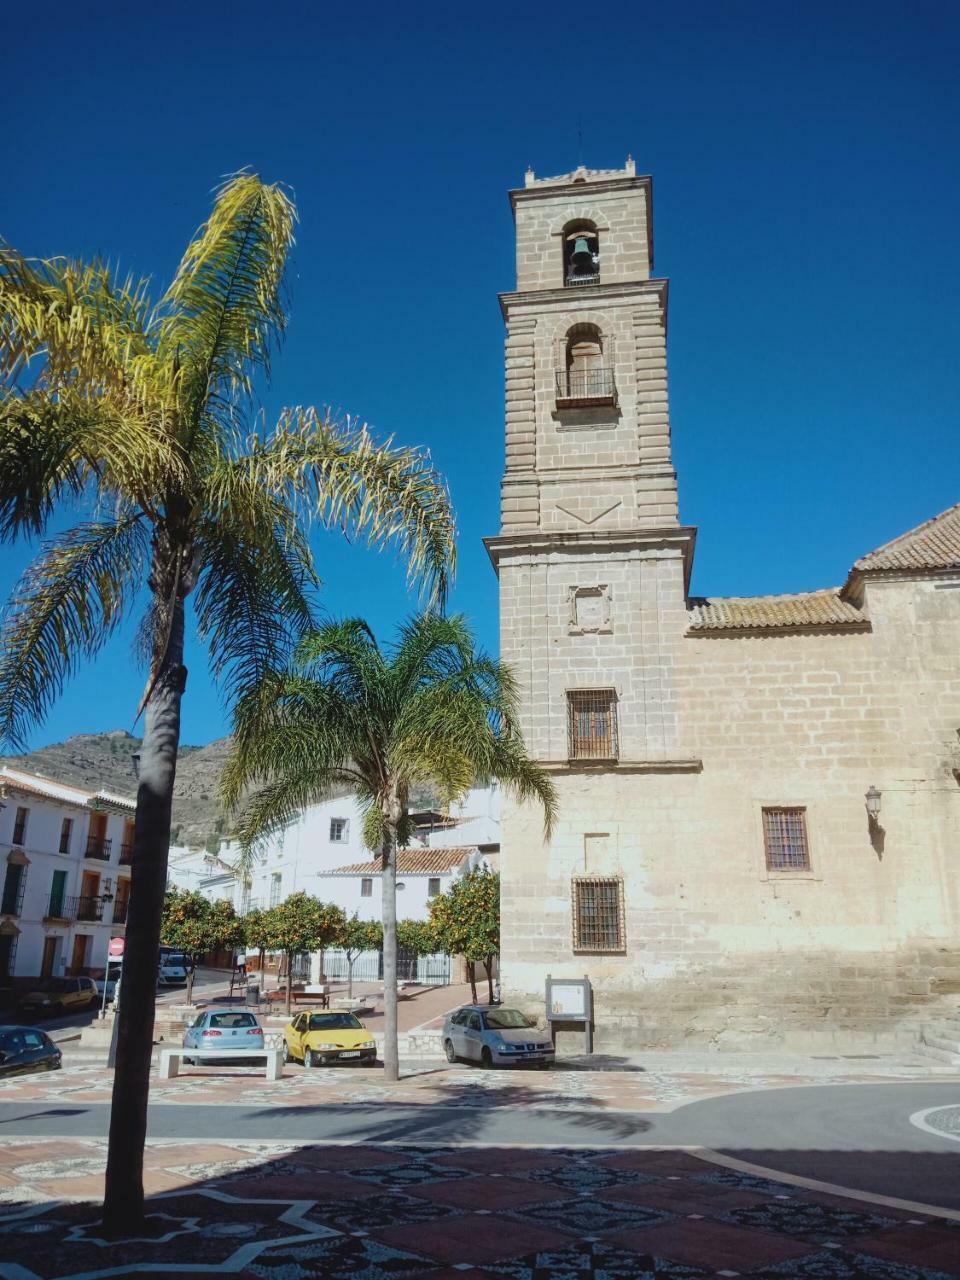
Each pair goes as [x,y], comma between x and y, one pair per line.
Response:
[506,1019]
[174,961]
[335,1022]
[233,1020]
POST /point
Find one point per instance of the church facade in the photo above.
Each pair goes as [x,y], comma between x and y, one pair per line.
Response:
[759,832]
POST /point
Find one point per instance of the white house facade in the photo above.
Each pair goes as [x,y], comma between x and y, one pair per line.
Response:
[66,856]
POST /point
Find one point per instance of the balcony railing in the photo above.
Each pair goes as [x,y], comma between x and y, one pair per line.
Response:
[98,847]
[84,907]
[120,913]
[12,901]
[126,854]
[584,277]
[584,387]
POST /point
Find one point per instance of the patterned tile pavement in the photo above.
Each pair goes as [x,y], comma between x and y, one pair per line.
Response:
[292,1212]
[428,1085]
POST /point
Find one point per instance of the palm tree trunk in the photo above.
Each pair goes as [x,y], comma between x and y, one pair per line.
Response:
[123,1200]
[391,1051]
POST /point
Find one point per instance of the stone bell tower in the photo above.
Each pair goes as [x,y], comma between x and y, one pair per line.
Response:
[591,558]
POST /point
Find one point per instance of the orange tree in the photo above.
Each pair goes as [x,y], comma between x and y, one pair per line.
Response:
[195,925]
[466,920]
[355,937]
[302,924]
[256,934]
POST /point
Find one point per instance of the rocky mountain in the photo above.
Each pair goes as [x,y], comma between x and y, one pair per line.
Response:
[104,761]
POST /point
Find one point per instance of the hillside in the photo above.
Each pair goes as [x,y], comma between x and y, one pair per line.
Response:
[103,760]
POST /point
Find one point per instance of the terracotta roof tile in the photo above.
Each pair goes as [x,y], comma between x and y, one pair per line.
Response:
[761,613]
[932,545]
[413,862]
[61,792]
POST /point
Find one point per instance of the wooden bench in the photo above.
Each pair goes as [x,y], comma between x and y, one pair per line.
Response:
[170,1059]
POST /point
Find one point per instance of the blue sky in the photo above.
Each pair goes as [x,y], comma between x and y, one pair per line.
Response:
[806,199]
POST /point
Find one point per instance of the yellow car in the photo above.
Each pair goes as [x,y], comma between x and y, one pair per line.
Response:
[319,1038]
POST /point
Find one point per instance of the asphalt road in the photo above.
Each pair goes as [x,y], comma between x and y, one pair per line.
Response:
[858,1136]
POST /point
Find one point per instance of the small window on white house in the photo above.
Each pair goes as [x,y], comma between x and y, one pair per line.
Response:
[276,883]
[339,830]
[20,825]
[366,887]
[66,829]
[433,887]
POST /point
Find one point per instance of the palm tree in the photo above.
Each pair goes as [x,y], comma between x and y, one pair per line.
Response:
[137,415]
[431,708]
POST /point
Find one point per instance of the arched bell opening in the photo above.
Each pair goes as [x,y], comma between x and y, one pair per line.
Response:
[581,253]
[584,379]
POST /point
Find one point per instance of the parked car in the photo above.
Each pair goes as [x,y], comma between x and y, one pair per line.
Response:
[26,1049]
[181,957]
[53,996]
[173,969]
[223,1029]
[316,1039]
[495,1037]
[112,981]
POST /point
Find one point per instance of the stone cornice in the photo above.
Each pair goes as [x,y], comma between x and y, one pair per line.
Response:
[653,764]
[550,191]
[538,542]
[612,292]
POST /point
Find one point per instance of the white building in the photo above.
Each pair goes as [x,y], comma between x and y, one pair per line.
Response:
[66,855]
[422,874]
[314,853]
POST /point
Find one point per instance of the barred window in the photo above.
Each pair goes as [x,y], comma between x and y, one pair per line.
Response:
[366,887]
[592,724]
[598,914]
[785,839]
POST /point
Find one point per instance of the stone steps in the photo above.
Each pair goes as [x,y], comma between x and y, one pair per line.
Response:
[942,1042]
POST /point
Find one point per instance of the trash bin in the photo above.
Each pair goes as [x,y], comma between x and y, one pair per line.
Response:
[253,994]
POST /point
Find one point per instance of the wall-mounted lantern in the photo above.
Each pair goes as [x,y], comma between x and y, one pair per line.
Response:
[872,799]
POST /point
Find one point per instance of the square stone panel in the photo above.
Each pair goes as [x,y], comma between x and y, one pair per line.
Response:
[712,1245]
[489,1193]
[474,1238]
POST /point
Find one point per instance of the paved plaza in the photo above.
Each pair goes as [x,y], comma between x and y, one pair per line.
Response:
[606,1174]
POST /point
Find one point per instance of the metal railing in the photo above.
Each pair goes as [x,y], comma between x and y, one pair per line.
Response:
[583,277]
[592,724]
[586,386]
[126,855]
[13,891]
[98,847]
[120,912]
[84,907]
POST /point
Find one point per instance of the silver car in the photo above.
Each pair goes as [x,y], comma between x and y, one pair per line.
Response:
[495,1037]
[224,1029]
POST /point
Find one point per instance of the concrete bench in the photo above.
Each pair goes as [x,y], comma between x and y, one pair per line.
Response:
[170,1059]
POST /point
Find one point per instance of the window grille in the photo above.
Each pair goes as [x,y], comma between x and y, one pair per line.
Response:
[592,722]
[338,830]
[433,886]
[366,887]
[276,882]
[785,839]
[598,923]
[65,830]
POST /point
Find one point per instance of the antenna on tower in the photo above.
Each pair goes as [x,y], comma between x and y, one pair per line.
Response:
[579,144]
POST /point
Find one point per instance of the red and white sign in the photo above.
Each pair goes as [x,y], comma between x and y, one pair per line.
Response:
[116,947]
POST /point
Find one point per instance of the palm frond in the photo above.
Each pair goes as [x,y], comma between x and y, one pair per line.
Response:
[90,328]
[224,311]
[335,472]
[67,604]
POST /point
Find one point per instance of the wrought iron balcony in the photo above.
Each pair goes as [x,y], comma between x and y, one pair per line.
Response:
[120,913]
[84,907]
[591,276]
[98,847]
[582,388]
[12,901]
[126,854]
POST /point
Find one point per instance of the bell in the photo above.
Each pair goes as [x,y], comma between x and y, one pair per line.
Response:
[581,256]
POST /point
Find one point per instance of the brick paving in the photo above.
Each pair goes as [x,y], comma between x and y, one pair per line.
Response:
[290,1212]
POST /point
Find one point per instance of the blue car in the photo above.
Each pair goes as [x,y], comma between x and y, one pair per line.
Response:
[224,1029]
[495,1037]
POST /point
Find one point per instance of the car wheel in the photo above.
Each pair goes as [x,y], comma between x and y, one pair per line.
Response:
[286,1052]
[486,1058]
[448,1050]
[310,1059]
